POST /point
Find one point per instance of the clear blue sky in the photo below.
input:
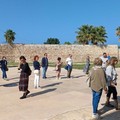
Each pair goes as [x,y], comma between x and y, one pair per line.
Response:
[36,20]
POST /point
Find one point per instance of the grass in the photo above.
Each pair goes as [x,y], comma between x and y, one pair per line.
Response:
[75,65]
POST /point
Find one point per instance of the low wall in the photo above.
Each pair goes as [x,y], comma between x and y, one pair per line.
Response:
[79,52]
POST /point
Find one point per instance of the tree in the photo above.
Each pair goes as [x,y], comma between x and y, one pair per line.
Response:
[67,43]
[89,33]
[98,35]
[52,41]
[118,32]
[9,36]
[84,35]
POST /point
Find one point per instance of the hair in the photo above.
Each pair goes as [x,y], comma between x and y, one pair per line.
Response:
[36,56]
[112,61]
[22,57]
[98,61]
[59,58]
[3,57]
[104,53]
[45,54]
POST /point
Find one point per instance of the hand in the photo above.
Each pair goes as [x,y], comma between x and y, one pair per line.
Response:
[106,91]
[116,84]
[113,84]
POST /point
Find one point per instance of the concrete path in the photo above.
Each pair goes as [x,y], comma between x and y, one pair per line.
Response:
[65,99]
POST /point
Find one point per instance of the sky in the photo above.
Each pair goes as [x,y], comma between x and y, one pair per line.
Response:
[34,21]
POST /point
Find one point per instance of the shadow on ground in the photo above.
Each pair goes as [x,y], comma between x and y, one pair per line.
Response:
[50,85]
[10,84]
[42,92]
[112,116]
[14,78]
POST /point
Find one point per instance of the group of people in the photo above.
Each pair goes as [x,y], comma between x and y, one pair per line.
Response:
[26,71]
[103,76]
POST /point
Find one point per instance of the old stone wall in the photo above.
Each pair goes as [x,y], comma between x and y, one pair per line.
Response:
[79,52]
[8,51]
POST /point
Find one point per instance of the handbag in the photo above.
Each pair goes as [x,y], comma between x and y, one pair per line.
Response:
[66,67]
[36,72]
[6,68]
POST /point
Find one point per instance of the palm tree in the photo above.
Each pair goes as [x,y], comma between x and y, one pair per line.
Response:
[98,35]
[118,32]
[87,34]
[84,35]
[9,36]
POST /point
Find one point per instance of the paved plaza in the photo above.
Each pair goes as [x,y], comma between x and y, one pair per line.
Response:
[64,99]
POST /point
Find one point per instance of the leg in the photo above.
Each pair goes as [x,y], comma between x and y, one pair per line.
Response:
[4,73]
[43,72]
[57,75]
[115,98]
[69,71]
[95,101]
[46,71]
[38,80]
[35,81]
[108,97]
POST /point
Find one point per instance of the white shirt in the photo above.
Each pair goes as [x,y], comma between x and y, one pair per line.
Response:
[104,61]
[110,71]
[69,61]
[111,74]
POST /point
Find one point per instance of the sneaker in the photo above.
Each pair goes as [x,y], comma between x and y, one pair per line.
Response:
[95,116]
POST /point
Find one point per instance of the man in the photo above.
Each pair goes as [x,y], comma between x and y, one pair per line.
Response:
[69,65]
[104,59]
[44,63]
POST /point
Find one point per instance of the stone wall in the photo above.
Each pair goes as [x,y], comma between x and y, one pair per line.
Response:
[79,52]
[8,51]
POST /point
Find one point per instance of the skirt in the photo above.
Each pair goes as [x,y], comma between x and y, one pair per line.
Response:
[23,83]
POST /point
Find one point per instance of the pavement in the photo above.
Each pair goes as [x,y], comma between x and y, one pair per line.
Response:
[64,99]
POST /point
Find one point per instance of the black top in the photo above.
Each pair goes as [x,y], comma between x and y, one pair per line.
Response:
[25,68]
[3,64]
[36,65]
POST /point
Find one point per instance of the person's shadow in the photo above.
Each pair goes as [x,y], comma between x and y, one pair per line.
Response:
[42,92]
[51,85]
[111,115]
[14,84]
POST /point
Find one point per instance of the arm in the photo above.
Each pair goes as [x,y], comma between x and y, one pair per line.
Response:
[103,81]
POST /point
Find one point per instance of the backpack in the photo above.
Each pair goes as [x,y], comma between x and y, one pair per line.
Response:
[29,71]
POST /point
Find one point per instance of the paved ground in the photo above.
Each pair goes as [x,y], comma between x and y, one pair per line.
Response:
[65,99]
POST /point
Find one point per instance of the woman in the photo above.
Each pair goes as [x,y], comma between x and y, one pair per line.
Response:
[112,82]
[24,77]
[97,84]
[58,67]
[4,67]
[36,66]
[87,65]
